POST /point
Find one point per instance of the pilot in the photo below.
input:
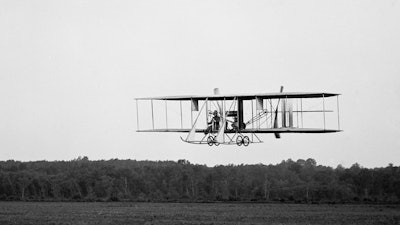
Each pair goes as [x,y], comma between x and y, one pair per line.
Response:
[213,125]
[235,124]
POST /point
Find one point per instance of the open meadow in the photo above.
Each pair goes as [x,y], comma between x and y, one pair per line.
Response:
[193,213]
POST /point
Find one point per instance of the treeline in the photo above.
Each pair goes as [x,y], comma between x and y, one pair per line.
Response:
[131,180]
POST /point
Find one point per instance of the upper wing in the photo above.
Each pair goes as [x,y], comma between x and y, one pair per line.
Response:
[172,130]
[245,96]
[289,130]
[255,130]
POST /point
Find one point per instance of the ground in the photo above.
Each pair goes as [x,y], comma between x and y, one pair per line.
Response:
[194,213]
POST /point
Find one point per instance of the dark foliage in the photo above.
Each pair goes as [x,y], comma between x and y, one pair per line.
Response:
[131,180]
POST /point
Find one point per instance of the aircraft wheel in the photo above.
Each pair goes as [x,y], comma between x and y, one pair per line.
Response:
[210,140]
[246,141]
[216,143]
[239,140]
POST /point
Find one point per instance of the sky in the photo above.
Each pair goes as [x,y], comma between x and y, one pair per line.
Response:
[70,70]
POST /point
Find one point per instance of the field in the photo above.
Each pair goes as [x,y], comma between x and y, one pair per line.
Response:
[193,213]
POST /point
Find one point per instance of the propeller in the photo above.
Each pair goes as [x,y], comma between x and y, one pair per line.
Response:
[277,135]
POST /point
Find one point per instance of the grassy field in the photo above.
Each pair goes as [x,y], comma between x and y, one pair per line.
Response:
[193,213]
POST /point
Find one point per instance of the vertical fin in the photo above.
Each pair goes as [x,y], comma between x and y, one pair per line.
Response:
[290,106]
[283,112]
[259,103]
[191,135]
[195,105]
[277,135]
[220,136]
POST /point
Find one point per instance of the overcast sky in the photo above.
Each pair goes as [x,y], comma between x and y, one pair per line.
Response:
[69,71]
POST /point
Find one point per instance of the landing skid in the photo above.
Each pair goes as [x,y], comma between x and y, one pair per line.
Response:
[237,139]
[194,142]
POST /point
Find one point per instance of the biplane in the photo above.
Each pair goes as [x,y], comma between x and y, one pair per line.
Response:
[239,119]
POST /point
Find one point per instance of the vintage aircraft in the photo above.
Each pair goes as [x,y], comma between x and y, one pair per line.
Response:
[236,119]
